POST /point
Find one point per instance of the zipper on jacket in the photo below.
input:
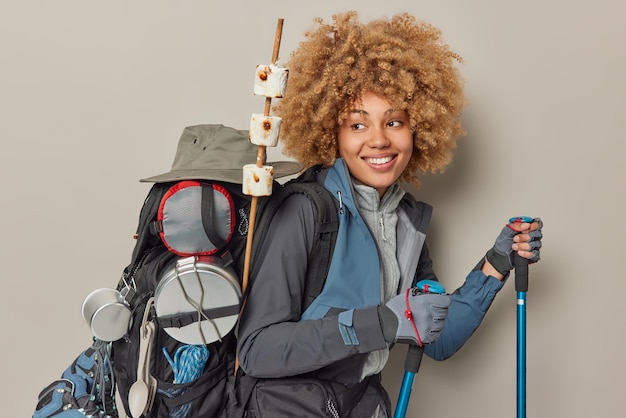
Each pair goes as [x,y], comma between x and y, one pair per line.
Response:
[341,211]
[382,227]
[332,409]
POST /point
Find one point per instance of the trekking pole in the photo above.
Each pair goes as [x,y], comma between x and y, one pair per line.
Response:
[521,287]
[413,358]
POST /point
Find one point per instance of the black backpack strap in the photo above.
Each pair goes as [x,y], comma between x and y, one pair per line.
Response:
[326,227]
[207,205]
[182,319]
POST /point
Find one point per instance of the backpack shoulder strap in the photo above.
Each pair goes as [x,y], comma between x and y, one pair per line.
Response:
[326,227]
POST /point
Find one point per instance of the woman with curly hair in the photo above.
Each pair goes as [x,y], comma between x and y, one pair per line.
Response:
[367,105]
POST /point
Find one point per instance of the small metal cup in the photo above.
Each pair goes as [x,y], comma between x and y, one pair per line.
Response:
[107,314]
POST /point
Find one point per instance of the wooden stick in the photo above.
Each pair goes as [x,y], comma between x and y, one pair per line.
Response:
[260,160]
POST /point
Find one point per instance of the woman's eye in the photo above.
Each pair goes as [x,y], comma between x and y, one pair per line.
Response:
[394,123]
[357,126]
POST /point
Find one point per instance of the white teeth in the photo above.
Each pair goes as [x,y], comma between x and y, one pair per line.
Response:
[383,160]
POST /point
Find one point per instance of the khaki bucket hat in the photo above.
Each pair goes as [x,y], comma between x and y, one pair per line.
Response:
[216,152]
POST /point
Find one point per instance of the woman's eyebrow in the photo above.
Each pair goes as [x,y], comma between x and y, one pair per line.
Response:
[363,112]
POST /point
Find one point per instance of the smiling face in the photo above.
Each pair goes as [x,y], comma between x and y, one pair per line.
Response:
[375,141]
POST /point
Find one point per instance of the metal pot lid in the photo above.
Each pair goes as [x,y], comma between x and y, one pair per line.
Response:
[197,300]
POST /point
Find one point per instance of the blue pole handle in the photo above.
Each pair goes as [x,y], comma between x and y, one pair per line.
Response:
[411,366]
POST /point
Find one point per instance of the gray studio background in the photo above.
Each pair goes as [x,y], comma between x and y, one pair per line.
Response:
[94,96]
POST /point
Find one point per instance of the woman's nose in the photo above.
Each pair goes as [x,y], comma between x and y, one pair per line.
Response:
[378,138]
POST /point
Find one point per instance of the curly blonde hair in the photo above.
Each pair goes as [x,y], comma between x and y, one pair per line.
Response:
[400,59]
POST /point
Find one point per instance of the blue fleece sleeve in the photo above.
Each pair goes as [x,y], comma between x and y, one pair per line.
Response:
[469,305]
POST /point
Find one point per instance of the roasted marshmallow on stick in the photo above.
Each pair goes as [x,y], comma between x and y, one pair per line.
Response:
[264,130]
[270,80]
[257,181]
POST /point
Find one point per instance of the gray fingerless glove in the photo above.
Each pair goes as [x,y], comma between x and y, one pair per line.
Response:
[501,255]
[428,313]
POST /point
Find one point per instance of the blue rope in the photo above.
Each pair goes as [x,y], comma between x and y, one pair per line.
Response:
[188,364]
